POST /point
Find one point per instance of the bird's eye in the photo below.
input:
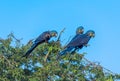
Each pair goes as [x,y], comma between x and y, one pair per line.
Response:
[79,30]
[53,34]
[91,34]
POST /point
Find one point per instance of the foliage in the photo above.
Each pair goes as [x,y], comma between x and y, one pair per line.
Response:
[43,66]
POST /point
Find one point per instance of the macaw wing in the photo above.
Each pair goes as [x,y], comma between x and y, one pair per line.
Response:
[78,41]
[42,37]
[65,51]
[74,37]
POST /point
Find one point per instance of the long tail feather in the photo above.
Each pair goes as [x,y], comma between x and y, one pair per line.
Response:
[30,50]
[64,52]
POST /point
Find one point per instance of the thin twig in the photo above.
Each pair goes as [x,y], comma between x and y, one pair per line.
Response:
[67,42]
[100,65]
[18,40]
[60,34]
[7,60]
[45,60]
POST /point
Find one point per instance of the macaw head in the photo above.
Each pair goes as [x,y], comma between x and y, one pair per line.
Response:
[53,33]
[80,30]
[90,33]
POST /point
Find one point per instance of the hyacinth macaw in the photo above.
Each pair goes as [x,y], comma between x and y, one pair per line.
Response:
[80,41]
[79,31]
[44,37]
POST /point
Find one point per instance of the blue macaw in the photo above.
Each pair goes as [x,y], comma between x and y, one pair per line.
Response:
[79,31]
[78,42]
[44,37]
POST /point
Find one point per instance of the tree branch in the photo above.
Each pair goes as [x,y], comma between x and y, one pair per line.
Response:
[94,64]
[7,60]
[60,34]
[45,60]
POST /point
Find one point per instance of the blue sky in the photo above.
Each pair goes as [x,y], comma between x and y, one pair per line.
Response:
[28,18]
